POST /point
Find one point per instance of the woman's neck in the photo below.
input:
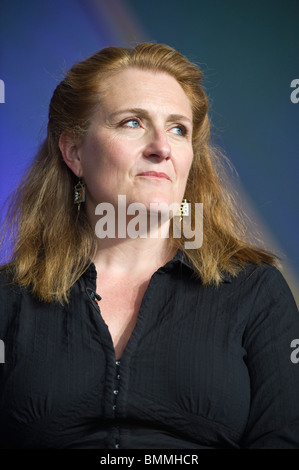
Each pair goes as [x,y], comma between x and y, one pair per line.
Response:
[133,256]
[134,252]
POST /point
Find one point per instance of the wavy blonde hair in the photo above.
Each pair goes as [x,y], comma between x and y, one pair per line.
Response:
[52,245]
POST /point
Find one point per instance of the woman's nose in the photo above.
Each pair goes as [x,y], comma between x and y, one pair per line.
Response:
[157,145]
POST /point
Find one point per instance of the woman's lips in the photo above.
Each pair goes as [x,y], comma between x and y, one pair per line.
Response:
[155,174]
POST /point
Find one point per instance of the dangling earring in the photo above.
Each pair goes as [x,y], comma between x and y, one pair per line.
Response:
[184,209]
[79,193]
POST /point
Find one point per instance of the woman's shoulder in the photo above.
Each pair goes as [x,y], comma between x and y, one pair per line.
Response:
[259,288]
[10,295]
[262,275]
[6,280]
[6,277]
[267,288]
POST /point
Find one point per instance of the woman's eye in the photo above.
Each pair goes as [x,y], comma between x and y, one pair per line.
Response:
[179,130]
[132,123]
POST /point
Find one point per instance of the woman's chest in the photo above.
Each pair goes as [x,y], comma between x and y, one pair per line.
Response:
[180,360]
[119,307]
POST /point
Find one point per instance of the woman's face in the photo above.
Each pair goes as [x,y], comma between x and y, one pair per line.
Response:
[139,143]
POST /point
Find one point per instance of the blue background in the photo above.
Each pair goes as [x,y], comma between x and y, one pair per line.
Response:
[248,51]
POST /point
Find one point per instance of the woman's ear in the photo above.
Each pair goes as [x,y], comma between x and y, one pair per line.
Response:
[69,150]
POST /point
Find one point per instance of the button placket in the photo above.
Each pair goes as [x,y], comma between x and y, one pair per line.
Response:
[115,395]
[116,390]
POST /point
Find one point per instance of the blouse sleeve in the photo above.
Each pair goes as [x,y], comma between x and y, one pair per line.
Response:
[273,421]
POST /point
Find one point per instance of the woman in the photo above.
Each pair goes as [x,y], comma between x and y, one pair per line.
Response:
[138,342]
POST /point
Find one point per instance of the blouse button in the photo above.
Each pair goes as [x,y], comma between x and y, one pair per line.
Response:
[116,446]
[117,363]
[115,392]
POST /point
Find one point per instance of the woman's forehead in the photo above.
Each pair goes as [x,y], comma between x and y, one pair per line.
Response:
[134,87]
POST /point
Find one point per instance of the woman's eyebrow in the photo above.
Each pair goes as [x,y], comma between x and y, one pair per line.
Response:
[144,113]
[139,111]
[179,117]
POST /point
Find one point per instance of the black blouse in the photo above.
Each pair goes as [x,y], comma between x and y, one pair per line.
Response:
[205,367]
